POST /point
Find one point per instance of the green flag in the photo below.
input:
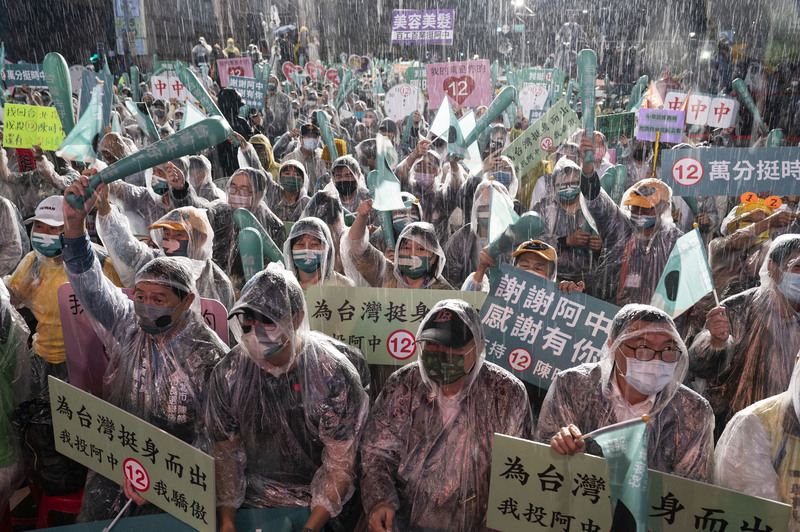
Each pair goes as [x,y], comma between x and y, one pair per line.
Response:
[135,83]
[386,194]
[686,278]
[445,125]
[78,144]
[192,115]
[501,215]
[625,451]
[143,120]
[115,125]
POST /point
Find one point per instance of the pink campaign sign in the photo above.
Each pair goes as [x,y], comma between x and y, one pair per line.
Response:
[86,356]
[466,83]
[234,66]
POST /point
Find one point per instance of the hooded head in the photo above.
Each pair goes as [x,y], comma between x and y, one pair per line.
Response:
[426,170]
[229,101]
[310,248]
[263,149]
[418,253]
[566,182]
[184,232]
[199,170]
[293,177]
[781,271]
[481,203]
[746,214]
[113,148]
[246,188]
[271,319]
[346,176]
[504,174]
[412,213]
[450,349]
[327,206]
[164,294]
[647,204]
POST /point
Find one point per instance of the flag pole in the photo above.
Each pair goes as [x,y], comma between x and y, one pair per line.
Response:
[114,522]
[645,418]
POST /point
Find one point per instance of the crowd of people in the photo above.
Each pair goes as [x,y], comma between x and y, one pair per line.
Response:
[293,417]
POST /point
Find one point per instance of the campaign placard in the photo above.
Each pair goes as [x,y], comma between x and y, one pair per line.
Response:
[166,471]
[29,125]
[235,66]
[31,74]
[466,83]
[381,322]
[616,125]
[430,26]
[533,485]
[668,123]
[166,86]
[402,100]
[534,330]
[251,90]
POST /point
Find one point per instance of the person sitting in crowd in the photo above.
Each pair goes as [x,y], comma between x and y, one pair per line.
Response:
[310,254]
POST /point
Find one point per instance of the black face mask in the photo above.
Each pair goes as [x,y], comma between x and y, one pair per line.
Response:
[346,188]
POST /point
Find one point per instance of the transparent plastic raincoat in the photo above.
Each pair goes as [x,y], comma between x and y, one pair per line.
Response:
[285,435]
[16,243]
[428,455]
[759,451]
[326,206]
[319,230]
[680,430]
[759,355]
[276,198]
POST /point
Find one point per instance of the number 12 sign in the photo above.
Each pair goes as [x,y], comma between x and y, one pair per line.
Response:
[466,83]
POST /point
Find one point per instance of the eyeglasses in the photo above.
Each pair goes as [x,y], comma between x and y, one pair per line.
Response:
[240,191]
[645,354]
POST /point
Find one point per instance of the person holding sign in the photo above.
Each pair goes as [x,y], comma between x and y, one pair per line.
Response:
[419,259]
[160,350]
[759,451]
[638,235]
[747,349]
[427,446]
[640,372]
[285,409]
[310,254]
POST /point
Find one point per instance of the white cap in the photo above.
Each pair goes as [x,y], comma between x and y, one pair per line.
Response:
[49,211]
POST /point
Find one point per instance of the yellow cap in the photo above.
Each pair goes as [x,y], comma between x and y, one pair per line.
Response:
[341,149]
[647,193]
[743,209]
[544,250]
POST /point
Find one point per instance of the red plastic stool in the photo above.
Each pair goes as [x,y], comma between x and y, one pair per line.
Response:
[68,504]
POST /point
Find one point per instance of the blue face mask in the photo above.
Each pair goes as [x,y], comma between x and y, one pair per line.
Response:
[159,185]
[568,193]
[307,260]
[358,114]
[642,221]
[504,178]
[413,267]
[790,286]
[47,245]
[400,221]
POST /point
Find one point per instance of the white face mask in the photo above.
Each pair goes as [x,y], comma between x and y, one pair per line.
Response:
[790,286]
[262,343]
[649,377]
[239,202]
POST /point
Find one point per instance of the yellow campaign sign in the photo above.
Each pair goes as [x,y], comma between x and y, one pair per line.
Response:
[29,125]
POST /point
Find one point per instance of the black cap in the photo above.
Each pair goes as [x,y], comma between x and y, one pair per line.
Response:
[446,328]
[309,129]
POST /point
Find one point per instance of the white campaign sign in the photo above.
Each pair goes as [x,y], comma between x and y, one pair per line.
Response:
[402,100]
[533,96]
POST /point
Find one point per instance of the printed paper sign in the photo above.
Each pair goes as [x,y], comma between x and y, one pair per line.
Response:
[613,126]
[549,131]
[166,471]
[251,90]
[731,171]
[534,330]
[29,125]
[533,97]
[381,322]
[234,66]
[16,74]
[704,109]
[534,485]
[418,77]
[466,83]
[402,100]
[668,123]
[432,26]
[166,86]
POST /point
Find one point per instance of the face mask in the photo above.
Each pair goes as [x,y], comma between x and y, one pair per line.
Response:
[159,113]
[272,87]
[399,222]
[413,267]
[346,188]
[291,184]
[642,221]
[649,377]
[504,178]
[425,180]
[369,122]
[790,286]
[261,343]
[442,368]
[358,114]
[483,219]
[239,202]
[175,248]
[264,160]
[568,193]
[599,154]
[307,260]
[47,245]
[310,144]
[160,185]
[312,103]
[153,319]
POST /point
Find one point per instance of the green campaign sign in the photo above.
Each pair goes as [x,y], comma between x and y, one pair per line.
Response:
[533,485]
[534,330]
[549,131]
[29,125]
[418,77]
[381,322]
[616,125]
[166,471]
[731,171]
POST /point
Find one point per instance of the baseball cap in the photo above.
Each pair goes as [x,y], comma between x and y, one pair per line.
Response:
[49,211]
[647,193]
[181,219]
[446,328]
[546,251]
[309,129]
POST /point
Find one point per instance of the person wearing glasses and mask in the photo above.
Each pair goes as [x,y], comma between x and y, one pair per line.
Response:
[640,371]
[426,451]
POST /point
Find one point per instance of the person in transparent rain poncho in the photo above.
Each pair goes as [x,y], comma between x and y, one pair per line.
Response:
[400,219]
[285,410]
[637,236]
[348,181]
[200,178]
[160,351]
[426,451]
[326,206]
[16,243]
[463,249]
[419,259]
[759,451]
[310,254]
[640,371]
[746,351]
[182,232]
